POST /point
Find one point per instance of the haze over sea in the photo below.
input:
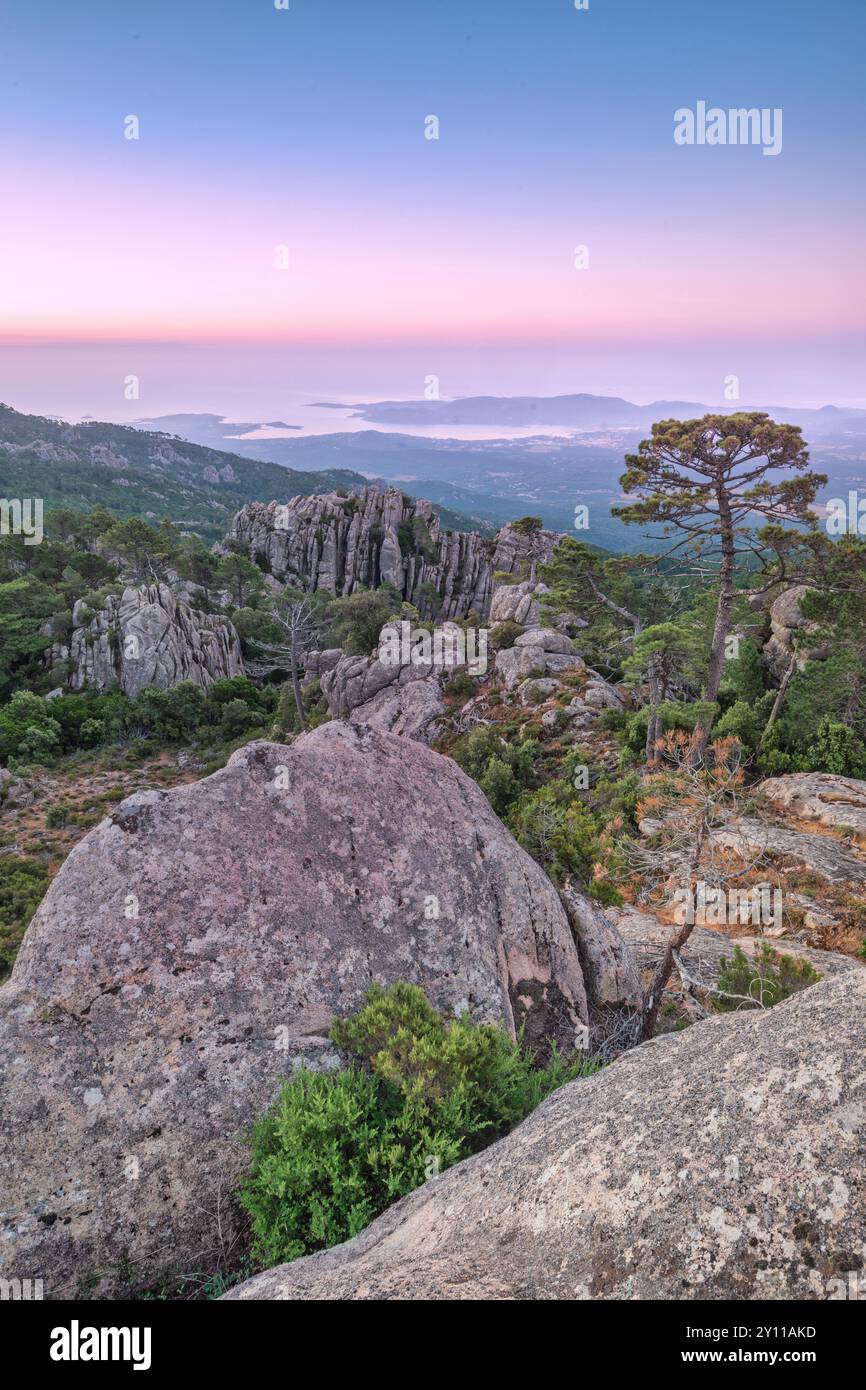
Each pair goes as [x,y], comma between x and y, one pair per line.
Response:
[277,382]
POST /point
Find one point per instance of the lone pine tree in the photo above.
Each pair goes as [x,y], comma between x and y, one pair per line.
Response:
[708,482]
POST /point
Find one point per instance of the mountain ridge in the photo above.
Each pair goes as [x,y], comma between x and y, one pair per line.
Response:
[153,473]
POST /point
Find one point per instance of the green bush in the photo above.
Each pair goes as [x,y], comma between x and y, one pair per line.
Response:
[40,744]
[229,688]
[561,835]
[741,722]
[91,731]
[237,716]
[420,1094]
[824,687]
[617,798]
[22,886]
[27,728]
[767,979]
[460,684]
[503,635]
[772,762]
[745,675]
[172,714]
[358,618]
[501,768]
[836,748]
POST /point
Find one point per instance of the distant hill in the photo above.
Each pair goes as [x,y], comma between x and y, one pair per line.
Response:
[495,480]
[153,474]
[585,412]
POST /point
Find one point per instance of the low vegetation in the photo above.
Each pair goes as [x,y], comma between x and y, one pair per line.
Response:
[762,982]
[420,1093]
[22,886]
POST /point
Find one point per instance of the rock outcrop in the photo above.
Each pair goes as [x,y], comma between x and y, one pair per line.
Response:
[403,700]
[146,636]
[517,603]
[193,950]
[391,690]
[520,552]
[723,1162]
[317,663]
[789,630]
[374,536]
[647,938]
[516,664]
[610,969]
[838,802]
[755,841]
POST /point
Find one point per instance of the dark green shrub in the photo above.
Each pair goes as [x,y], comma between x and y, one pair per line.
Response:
[27,728]
[22,886]
[237,717]
[772,762]
[501,768]
[745,675]
[561,835]
[358,618]
[172,714]
[460,684]
[742,722]
[499,784]
[821,687]
[420,1094]
[232,688]
[837,748]
[503,635]
[767,979]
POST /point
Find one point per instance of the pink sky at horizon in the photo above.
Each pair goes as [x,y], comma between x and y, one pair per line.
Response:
[410,256]
[132,253]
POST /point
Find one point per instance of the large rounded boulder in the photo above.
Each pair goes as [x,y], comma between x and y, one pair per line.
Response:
[193,950]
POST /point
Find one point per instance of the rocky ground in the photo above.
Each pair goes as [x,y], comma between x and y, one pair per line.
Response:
[81,789]
[203,931]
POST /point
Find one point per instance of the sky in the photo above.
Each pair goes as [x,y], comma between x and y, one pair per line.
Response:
[283,213]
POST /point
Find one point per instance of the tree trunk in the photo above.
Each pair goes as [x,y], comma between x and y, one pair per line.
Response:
[661,975]
[726,600]
[780,698]
[652,999]
[654,730]
[296,684]
[723,619]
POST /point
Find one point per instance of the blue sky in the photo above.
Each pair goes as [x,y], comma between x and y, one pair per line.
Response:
[304,126]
